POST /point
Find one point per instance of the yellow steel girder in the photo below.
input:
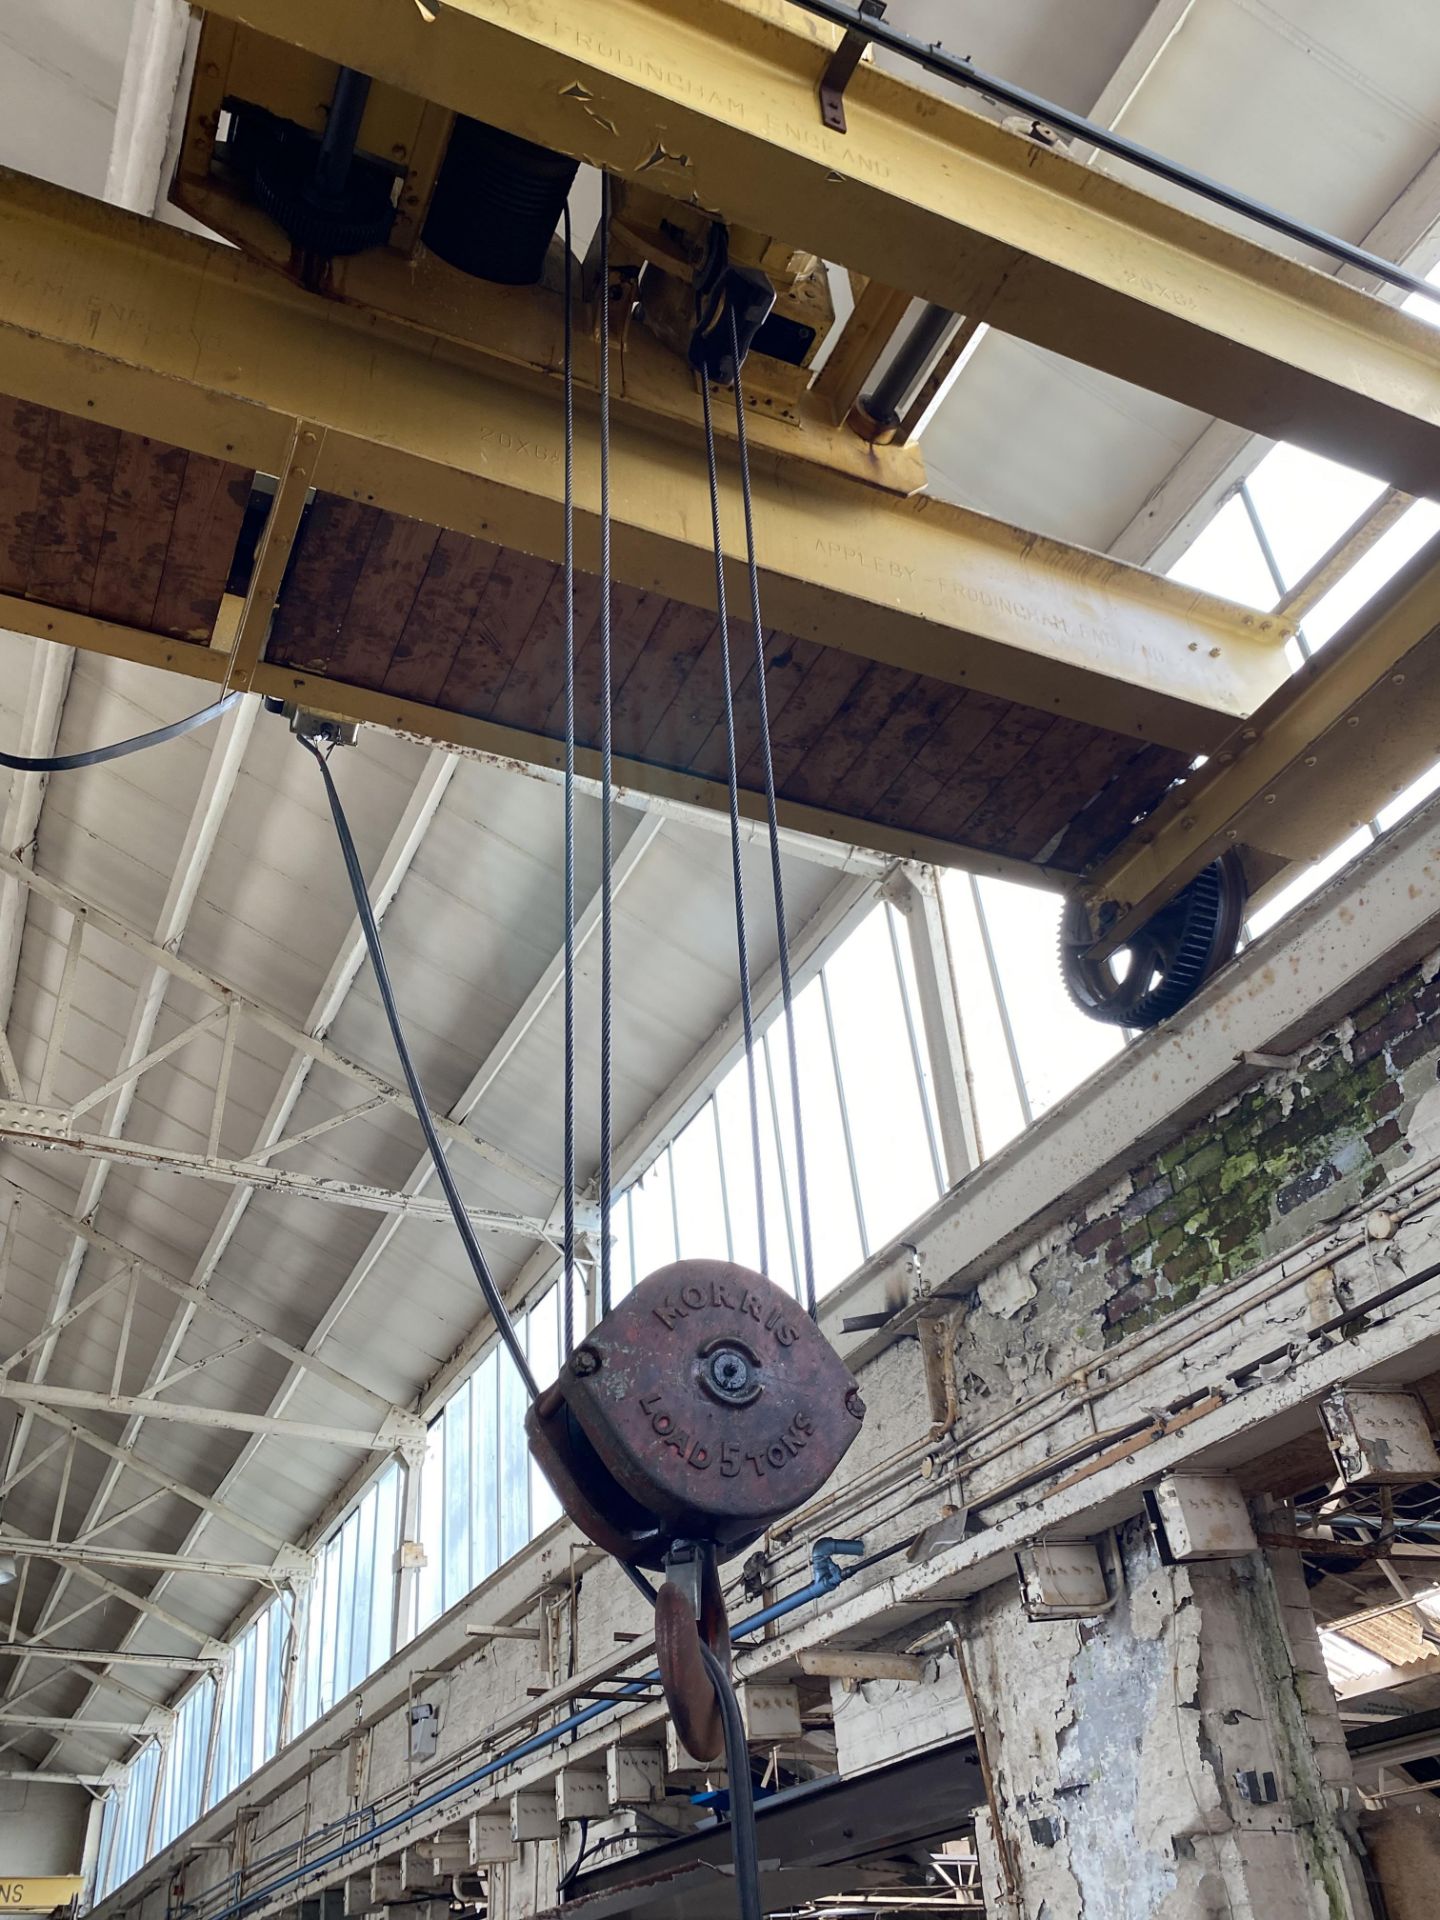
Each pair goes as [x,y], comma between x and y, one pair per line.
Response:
[106,315]
[1344,735]
[714,101]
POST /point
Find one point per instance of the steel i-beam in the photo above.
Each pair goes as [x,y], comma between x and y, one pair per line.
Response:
[160,332]
[715,102]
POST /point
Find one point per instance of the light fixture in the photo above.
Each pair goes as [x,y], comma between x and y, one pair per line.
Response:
[7,1569]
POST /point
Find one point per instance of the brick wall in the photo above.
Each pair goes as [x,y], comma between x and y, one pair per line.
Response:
[1307,1142]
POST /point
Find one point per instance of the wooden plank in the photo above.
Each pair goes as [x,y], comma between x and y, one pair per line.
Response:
[22,456]
[70,511]
[633,614]
[507,609]
[1135,789]
[537,679]
[663,665]
[396,563]
[787,661]
[855,726]
[913,720]
[979,790]
[809,710]
[686,724]
[447,602]
[1078,763]
[144,498]
[213,497]
[934,767]
[324,572]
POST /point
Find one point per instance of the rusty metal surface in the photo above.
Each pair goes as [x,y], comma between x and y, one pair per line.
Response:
[705,1407]
[688,1690]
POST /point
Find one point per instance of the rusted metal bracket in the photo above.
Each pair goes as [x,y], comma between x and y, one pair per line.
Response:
[843,62]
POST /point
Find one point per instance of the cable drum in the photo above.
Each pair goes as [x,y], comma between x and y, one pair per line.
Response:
[497,202]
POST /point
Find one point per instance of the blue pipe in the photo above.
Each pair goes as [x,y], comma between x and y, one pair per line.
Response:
[826,1575]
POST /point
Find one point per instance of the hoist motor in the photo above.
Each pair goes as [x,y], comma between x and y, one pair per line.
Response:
[699,1412]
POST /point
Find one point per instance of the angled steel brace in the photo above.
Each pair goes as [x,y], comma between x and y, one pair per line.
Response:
[394,1430]
[319,1050]
[198,1297]
[46,1127]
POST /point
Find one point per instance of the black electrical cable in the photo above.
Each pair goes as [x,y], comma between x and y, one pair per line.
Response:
[607,807]
[744,1839]
[567,1303]
[747,1015]
[777,878]
[573,1873]
[464,1226]
[117,750]
[945,65]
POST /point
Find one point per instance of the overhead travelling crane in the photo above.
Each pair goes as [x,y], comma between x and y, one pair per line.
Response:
[325,465]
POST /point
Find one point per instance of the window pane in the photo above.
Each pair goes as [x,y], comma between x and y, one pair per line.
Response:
[1058,1045]
[432,1531]
[998,1114]
[1226,559]
[486,1391]
[1407,801]
[1313,877]
[514,1461]
[784,1260]
[364,1588]
[1305,504]
[1372,570]
[877,1069]
[699,1198]
[387,1523]
[652,1218]
[732,1106]
[542,1350]
[834,1223]
[457,1497]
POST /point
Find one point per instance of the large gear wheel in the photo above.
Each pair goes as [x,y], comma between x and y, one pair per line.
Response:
[1166,963]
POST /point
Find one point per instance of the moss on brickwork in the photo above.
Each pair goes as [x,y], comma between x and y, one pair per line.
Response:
[1306,1142]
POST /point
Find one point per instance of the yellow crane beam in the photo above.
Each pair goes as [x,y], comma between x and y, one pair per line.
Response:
[714,102]
[115,319]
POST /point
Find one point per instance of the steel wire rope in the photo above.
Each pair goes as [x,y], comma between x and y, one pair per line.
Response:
[737,1752]
[777,877]
[747,1014]
[567,1281]
[118,749]
[607,798]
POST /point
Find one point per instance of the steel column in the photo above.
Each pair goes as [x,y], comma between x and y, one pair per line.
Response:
[916,895]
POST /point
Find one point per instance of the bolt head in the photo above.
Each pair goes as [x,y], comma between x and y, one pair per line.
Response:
[584,1360]
[854,1405]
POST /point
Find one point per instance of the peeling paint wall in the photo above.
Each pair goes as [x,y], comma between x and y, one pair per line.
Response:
[1310,1140]
[1135,1755]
